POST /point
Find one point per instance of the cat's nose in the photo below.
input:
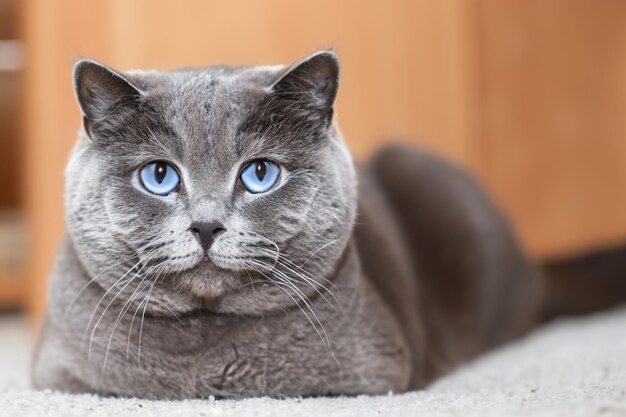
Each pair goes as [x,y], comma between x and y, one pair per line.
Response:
[206,232]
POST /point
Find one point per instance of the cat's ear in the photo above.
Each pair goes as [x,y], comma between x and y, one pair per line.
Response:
[312,83]
[100,91]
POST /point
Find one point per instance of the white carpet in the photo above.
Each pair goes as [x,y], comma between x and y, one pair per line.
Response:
[569,368]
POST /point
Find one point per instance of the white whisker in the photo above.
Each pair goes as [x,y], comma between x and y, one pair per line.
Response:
[317,251]
[301,295]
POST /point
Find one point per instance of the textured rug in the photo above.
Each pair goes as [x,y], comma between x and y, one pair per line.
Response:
[572,367]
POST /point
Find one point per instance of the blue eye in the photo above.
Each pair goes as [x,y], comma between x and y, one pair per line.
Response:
[260,176]
[159,178]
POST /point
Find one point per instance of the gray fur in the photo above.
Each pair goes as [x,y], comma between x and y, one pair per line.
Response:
[296,300]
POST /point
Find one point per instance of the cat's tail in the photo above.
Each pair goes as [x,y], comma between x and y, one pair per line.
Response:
[586,283]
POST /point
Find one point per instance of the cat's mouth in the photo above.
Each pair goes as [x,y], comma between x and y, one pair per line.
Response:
[210,278]
[213,262]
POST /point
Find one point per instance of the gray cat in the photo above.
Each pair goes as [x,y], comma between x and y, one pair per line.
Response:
[212,246]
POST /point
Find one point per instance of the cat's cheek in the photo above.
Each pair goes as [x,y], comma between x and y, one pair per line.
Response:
[184,254]
[225,253]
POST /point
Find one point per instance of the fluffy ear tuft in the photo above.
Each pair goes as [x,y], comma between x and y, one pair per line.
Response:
[311,82]
[101,90]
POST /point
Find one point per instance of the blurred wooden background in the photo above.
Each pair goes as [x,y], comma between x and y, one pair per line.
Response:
[12,245]
[530,95]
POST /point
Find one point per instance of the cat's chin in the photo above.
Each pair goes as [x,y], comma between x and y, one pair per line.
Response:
[208,282]
[222,286]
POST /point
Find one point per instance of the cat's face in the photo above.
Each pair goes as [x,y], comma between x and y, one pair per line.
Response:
[225,188]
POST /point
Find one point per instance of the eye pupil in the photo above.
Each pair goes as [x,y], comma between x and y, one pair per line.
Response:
[160,171]
[261,170]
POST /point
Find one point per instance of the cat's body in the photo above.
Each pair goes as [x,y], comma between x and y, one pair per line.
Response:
[296,299]
[385,333]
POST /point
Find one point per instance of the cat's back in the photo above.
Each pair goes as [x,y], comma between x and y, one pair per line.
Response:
[443,257]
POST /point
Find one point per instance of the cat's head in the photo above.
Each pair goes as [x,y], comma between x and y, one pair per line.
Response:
[216,187]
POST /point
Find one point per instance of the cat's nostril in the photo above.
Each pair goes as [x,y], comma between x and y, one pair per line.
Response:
[206,232]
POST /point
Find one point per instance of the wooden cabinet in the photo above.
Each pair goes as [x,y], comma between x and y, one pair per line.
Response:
[528,94]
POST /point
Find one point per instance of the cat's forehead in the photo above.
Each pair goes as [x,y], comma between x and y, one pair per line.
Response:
[199,114]
[206,98]
[216,116]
